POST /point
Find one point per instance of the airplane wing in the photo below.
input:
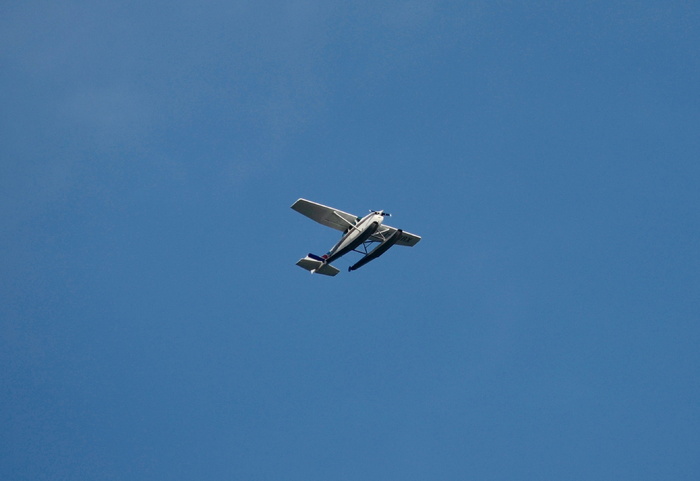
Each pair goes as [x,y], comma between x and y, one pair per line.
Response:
[406,239]
[328,216]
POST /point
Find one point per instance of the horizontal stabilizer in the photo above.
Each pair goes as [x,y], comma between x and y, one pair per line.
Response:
[315,266]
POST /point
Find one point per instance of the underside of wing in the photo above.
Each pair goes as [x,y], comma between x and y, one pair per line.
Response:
[328,216]
[406,239]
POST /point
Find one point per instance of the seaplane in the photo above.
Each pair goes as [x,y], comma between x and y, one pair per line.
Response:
[359,235]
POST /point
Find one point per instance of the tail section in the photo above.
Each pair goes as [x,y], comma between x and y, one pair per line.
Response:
[318,258]
[317,264]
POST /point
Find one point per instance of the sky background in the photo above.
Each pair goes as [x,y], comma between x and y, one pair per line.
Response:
[153,325]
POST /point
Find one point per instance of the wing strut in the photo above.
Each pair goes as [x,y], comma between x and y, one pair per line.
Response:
[350,224]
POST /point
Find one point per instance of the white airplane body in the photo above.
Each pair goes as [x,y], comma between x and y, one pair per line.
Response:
[357,232]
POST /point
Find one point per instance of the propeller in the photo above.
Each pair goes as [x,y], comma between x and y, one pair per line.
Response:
[380,212]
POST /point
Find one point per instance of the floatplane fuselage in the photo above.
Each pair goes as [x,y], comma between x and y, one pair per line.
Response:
[357,232]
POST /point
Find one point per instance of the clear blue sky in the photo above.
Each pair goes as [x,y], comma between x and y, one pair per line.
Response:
[153,325]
